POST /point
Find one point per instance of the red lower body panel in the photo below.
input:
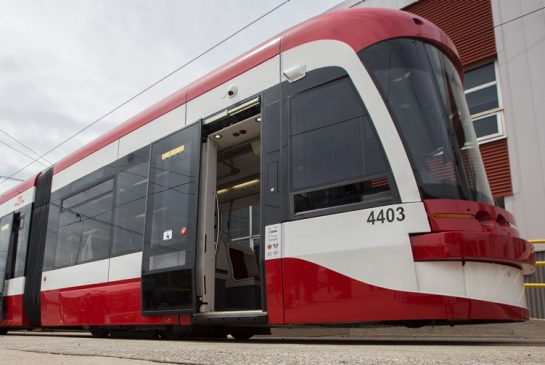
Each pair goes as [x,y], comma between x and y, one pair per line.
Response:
[275,294]
[313,294]
[13,312]
[298,292]
[115,303]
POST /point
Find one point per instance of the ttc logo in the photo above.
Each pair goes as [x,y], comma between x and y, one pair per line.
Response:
[20,201]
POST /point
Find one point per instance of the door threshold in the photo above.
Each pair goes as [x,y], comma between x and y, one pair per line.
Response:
[232,318]
[251,312]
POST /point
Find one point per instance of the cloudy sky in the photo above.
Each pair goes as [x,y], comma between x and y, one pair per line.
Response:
[65,63]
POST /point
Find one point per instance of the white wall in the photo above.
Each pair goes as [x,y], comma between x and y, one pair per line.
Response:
[519,27]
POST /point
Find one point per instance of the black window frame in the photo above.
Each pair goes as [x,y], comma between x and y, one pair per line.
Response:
[313,79]
[94,178]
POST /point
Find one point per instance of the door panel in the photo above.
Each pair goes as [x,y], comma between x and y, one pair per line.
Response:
[6,230]
[171,223]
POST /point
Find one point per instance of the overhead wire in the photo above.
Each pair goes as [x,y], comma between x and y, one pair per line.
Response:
[22,153]
[149,87]
[11,178]
[25,146]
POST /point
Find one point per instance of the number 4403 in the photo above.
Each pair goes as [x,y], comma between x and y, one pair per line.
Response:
[386,215]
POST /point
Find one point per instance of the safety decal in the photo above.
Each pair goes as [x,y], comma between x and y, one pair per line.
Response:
[273,241]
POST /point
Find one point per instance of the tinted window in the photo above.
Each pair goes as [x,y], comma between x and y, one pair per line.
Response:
[5,240]
[85,195]
[359,192]
[85,226]
[6,229]
[324,105]
[335,151]
[423,92]
[22,241]
[69,235]
[52,233]
[172,190]
[104,218]
[130,203]
[171,222]
[327,155]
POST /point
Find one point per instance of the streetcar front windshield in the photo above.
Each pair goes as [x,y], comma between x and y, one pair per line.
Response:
[425,97]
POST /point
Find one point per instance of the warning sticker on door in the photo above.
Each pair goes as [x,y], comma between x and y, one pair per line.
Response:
[167,235]
[273,241]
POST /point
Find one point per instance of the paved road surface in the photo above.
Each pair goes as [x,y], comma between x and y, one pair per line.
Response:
[81,349]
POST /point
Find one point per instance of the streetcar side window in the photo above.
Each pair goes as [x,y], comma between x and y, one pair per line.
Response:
[130,203]
[336,156]
[22,242]
[100,215]
[85,225]
[15,264]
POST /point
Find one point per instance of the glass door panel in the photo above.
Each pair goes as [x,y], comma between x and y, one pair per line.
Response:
[171,223]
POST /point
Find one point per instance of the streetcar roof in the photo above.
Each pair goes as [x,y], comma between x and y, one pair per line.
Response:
[359,28]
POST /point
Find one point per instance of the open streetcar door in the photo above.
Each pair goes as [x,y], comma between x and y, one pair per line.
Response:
[168,264]
[7,232]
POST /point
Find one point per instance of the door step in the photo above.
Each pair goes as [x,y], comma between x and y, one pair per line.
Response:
[231,318]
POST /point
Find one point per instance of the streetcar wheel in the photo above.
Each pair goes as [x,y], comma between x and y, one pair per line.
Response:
[99,332]
[174,333]
[242,335]
[216,334]
[414,324]
[207,332]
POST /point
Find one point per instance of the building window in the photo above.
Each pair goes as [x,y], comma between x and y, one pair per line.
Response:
[483,100]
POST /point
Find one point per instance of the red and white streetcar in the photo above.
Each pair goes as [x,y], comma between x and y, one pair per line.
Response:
[331,176]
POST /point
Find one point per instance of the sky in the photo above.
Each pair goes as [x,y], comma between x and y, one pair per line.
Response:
[65,63]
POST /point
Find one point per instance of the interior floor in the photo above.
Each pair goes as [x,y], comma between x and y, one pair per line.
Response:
[237,281]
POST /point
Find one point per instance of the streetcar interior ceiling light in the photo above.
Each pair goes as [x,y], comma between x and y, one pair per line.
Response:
[245,184]
[143,181]
[403,77]
[217,136]
[223,191]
